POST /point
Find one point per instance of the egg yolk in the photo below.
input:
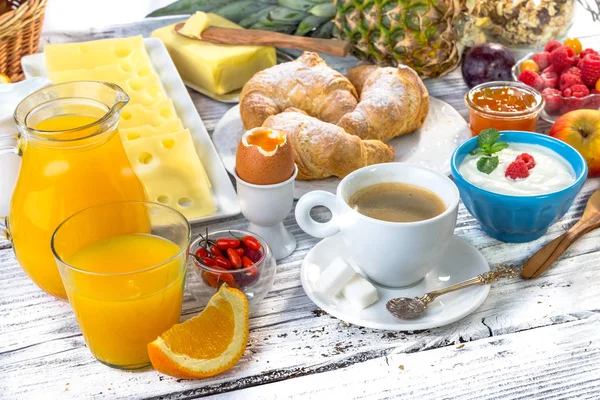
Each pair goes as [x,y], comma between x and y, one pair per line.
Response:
[266,139]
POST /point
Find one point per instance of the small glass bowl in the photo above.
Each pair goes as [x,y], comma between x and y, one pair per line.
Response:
[481,119]
[557,105]
[255,283]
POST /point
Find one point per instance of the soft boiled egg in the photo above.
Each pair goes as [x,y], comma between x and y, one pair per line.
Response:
[264,157]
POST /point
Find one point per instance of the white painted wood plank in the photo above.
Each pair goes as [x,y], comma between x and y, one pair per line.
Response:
[561,361]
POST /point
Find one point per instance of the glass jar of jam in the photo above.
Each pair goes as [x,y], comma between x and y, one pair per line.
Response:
[506,106]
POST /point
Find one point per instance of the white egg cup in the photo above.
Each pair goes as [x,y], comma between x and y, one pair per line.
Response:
[265,207]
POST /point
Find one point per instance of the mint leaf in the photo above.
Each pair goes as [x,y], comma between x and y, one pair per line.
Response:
[478,150]
[498,146]
[487,164]
[488,137]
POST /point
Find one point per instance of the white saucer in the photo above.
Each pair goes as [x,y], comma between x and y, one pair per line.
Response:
[430,146]
[461,261]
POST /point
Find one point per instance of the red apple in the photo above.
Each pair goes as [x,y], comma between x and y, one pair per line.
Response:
[581,129]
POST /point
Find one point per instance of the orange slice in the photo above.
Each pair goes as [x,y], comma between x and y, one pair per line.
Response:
[207,344]
[4,79]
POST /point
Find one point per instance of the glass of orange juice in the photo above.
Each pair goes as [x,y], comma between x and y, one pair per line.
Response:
[124,281]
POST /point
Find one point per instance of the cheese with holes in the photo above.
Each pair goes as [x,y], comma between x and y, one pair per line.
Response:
[87,55]
[156,115]
[171,173]
[144,131]
[135,66]
[215,68]
[158,147]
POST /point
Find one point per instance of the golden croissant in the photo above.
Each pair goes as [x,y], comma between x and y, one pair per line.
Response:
[393,102]
[306,83]
[322,149]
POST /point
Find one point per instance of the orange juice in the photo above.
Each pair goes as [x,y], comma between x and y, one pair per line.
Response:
[125,290]
[59,177]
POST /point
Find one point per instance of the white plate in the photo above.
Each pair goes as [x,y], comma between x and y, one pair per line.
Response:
[222,188]
[461,261]
[430,146]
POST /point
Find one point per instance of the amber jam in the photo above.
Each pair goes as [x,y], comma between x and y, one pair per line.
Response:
[504,106]
[266,139]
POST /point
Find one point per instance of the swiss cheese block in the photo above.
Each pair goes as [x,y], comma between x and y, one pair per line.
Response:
[216,68]
[171,173]
[135,66]
[87,55]
[137,114]
[144,131]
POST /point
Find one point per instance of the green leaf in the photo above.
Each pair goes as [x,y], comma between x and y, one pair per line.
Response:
[488,137]
[239,10]
[325,10]
[487,164]
[309,24]
[187,7]
[299,5]
[286,16]
[498,146]
[478,150]
[254,18]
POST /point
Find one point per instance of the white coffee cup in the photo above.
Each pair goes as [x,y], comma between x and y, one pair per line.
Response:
[392,254]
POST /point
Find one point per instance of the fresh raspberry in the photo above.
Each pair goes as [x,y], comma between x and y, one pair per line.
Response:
[550,79]
[532,79]
[568,80]
[554,101]
[550,69]
[594,91]
[578,91]
[552,45]
[586,52]
[562,58]
[517,170]
[590,69]
[527,159]
[573,70]
[542,59]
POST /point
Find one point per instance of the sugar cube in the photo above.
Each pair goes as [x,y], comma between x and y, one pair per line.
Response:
[360,292]
[335,277]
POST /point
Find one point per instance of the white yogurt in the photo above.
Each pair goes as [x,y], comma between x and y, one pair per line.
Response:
[550,174]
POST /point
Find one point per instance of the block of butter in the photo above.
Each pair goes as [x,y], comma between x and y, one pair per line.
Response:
[216,68]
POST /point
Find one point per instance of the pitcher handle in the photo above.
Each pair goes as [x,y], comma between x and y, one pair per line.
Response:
[9,144]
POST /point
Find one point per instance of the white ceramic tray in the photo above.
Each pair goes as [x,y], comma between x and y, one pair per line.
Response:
[222,189]
[430,146]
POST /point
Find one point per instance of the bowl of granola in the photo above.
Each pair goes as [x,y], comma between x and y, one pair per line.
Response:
[566,74]
[525,23]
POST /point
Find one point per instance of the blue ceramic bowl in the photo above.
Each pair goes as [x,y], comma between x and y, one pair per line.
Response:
[519,218]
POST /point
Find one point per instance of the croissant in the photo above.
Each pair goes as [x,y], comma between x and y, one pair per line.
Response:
[393,102]
[322,149]
[306,83]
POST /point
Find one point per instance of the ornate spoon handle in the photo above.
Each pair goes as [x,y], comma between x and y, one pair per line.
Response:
[487,278]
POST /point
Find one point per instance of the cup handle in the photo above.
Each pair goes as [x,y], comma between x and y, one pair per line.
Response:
[309,225]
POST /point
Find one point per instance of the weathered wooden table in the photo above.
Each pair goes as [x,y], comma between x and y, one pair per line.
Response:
[530,339]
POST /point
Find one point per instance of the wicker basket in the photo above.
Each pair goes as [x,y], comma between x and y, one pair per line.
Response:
[20,28]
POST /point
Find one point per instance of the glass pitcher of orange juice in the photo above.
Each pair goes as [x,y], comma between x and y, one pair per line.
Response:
[72,158]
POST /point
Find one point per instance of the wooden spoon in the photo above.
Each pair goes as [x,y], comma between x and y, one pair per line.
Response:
[541,261]
[255,37]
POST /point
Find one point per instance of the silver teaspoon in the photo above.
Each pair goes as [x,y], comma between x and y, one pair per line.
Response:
[406,308]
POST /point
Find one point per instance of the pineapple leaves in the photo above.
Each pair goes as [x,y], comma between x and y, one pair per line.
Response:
[187,7]
[285,15]
[239,10]
[254,18]
[298,5]
[310,24]
[325,10]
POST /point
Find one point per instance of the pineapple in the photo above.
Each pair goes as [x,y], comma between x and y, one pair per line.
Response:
[421,34]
